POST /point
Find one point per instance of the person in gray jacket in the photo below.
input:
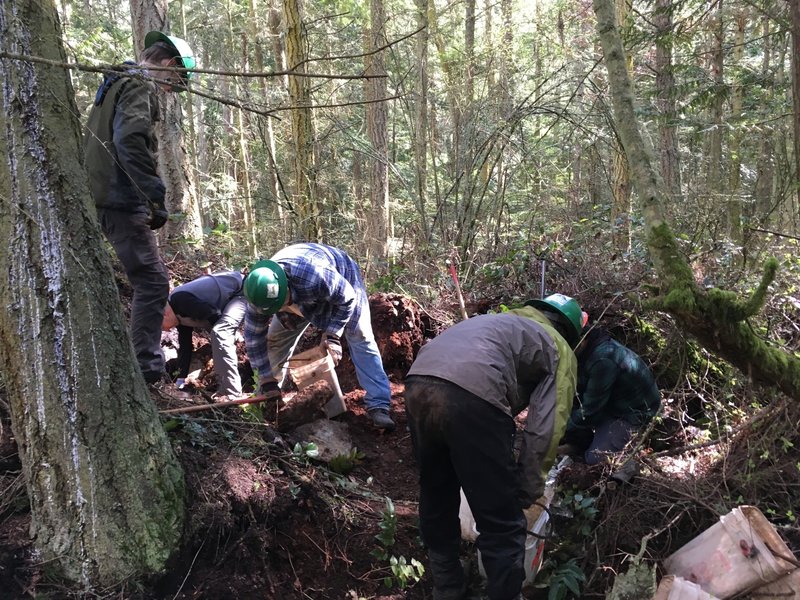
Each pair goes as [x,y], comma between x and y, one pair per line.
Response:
[215,302]
[120,158]
[462,394]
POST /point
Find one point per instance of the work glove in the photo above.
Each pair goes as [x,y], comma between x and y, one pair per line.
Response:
[158,216]
[333,345]
[533,512]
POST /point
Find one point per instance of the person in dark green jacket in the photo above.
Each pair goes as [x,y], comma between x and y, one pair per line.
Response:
[120,159]
[617,396]
[462,394]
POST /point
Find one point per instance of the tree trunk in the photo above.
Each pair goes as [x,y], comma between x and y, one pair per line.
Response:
[469,53]
[193,226]
[173,162]
[305,185]
[105,488]
[279,56]
[621,203]
[244,164]
[794,8]
[420,127]
[734,179]
[714,187]
[377,231]
[266,129]
[765,170]
[716,317]
[665,99]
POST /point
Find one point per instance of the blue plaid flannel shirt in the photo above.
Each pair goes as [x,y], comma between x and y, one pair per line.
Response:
[326,285]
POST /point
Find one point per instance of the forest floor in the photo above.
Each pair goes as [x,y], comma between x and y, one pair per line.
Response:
[267,519]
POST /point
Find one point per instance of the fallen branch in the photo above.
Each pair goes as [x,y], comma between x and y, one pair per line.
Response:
[189,409]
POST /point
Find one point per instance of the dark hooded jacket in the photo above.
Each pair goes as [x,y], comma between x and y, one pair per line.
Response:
[120,146]
[200,304]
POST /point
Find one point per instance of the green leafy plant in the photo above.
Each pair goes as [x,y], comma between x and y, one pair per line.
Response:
[584,509]
[387,530]
[574,522]
[304,451]
[344,463]
[566,578]
[388,281]
[403,572]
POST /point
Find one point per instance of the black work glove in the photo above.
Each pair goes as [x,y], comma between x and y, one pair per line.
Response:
[333,345]
[158,216]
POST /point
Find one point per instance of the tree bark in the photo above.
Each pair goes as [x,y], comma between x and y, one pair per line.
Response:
[734,143]
[714,186]
[192,228]
[377,238]
[718,319]
[621,197]
[306,204]
[794,9]
[105,488]
[469,53]
[279,56]
[243,179]
[665,99]
[765,170]
[421,119]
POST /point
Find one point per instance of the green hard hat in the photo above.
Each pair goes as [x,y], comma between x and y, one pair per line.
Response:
[182,50]
[567,309]
[266,286]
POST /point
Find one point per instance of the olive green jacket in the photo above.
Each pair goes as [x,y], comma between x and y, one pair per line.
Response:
[120,146]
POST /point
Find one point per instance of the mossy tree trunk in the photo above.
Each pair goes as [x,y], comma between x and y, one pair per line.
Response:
[718,319]
[106,490]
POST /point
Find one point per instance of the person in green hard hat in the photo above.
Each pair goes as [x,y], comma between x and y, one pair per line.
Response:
[120,158]
[462,394]
[315,284]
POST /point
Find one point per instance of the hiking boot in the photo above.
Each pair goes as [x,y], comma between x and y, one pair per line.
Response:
[269,389]
[381,419]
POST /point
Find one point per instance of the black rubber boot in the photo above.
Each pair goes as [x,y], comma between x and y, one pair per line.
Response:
[448,577]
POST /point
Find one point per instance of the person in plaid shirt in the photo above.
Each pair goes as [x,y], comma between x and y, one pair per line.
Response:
[617,396]
[313,283]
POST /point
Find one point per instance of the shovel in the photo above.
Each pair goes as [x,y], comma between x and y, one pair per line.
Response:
[315,365]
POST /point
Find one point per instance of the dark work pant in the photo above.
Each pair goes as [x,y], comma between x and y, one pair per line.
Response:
[609,437]
[137,250]
[462,441]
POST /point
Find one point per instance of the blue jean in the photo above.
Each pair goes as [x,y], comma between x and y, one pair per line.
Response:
[363,348]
